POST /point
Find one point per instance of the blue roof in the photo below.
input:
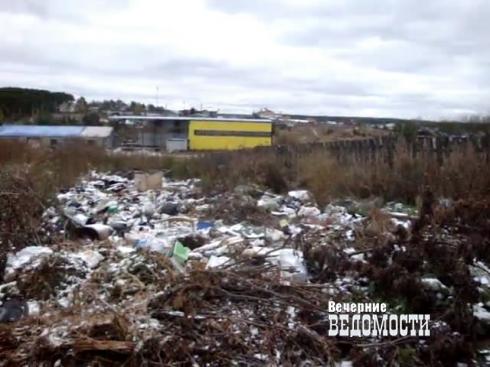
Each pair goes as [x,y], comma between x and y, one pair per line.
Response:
[35,131]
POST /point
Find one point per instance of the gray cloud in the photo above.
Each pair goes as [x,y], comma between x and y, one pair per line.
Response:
[256,7]
[256,77]
[62,10]
[388,57]
[38,8]
[178,70]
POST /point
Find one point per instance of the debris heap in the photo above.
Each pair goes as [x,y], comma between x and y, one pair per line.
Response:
[167,276]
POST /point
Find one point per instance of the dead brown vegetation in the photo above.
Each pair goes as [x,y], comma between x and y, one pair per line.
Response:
[310,133]
[220,308]
[243,314]
[42,172]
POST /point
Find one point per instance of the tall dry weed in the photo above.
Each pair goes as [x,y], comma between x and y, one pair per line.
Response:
[41,172]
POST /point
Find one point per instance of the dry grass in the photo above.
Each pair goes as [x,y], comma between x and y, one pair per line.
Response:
[241,313]
[463,174]
[35,175]
[236,301]
[460,176]
[321,133]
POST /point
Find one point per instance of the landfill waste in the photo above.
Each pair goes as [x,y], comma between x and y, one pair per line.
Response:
[12,311]
[168,276]
[154,244]
[145,181]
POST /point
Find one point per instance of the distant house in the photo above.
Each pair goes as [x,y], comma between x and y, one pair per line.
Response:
[266,113]
[237,115]
[425,131]
[67,107]
[207,113]
[197,113]
[72,116]
[169,113]
[312,121]
[390,126]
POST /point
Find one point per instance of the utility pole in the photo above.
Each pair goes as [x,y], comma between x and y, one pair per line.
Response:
[157,96]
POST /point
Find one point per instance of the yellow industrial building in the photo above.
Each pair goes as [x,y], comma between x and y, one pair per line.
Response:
[179,133]
[208,134]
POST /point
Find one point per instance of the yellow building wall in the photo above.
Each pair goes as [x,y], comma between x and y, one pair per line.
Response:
[198,141]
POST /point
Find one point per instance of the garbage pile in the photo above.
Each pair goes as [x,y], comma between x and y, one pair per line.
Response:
[158,274]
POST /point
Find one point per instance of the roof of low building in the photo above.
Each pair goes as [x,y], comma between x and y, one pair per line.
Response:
[187,118]
[97,131]
[54,131]
[27,131]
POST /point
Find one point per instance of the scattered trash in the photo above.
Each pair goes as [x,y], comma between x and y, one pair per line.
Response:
[203,225]
[12,311]
[98,232]
[169,209]
[160,245]
[284,224]
[180,252]
[150,262]
[217,261]
[148,181]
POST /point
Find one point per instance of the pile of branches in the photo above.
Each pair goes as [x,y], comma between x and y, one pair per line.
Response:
[446,244]
[236,210]
[26,190]
[20,212]
[21,209]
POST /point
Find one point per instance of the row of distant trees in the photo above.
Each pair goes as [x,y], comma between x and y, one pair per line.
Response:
[82,106]
[471,125]
[21,104]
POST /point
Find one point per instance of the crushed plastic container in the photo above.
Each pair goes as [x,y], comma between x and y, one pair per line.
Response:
[12,311]
[161,245]
[291,262]
[112,209]
[217,261]
[178,266]
[102,231]
[284,224]
[180,252]
[202,225]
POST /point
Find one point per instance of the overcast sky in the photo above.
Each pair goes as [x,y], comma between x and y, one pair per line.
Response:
[399,58]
